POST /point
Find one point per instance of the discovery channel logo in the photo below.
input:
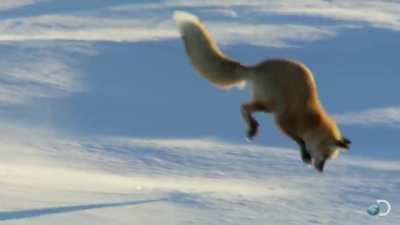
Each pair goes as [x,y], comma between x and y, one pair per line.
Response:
[377,208]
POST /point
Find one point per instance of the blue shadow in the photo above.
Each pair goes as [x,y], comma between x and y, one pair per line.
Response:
[23,214]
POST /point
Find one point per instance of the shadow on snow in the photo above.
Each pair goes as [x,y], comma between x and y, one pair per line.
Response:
[29,213]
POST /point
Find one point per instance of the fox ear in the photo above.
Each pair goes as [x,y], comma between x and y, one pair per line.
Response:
[344,143]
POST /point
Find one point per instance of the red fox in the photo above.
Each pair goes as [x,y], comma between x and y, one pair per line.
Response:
[281,87]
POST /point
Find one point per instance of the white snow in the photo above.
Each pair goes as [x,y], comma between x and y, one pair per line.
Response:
[50,179]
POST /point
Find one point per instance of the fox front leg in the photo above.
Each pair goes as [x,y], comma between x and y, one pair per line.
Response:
[305,156]
[247,109]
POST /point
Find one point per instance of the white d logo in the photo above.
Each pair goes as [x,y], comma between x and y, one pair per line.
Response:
[387,206]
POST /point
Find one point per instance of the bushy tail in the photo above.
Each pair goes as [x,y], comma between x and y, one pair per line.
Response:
[205,54]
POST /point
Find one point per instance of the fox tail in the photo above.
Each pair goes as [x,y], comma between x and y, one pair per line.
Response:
[205,55]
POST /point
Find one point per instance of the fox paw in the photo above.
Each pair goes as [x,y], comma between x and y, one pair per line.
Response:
[253,130]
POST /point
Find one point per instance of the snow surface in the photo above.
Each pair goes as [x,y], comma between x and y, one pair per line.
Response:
[50,179]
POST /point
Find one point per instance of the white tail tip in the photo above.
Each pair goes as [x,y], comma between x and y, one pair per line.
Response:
[181,18]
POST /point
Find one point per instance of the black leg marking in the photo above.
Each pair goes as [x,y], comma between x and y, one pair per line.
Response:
[305,155]
[253,129]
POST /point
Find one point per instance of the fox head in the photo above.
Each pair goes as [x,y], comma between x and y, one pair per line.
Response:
[327,150]
[324,144]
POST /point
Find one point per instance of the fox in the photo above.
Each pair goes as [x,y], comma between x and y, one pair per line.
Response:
[282,87]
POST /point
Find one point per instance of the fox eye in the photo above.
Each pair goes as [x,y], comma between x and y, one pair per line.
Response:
[344,143]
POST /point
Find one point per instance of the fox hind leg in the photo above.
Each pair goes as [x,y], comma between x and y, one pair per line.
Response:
[247,109]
